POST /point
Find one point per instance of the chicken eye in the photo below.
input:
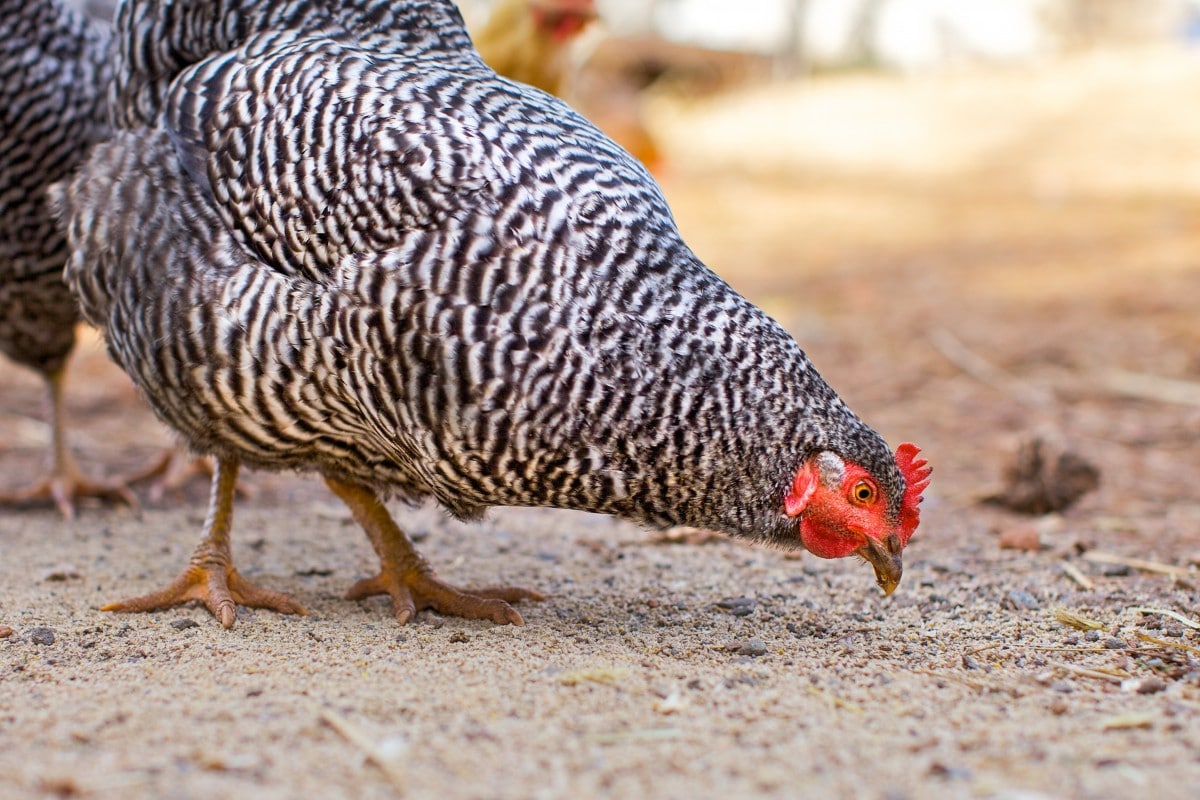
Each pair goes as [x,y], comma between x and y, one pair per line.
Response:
[863,493]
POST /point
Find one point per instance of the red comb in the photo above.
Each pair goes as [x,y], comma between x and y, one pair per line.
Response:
[916,476]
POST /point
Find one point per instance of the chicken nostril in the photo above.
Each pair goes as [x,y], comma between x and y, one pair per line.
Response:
[892,544]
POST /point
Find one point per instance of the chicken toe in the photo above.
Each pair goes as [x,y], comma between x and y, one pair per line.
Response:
[210,576]
[63,485]
[406,575]
[420,589]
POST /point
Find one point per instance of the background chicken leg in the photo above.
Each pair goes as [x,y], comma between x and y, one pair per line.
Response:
[64,483]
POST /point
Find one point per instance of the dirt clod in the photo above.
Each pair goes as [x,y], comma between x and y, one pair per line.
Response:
[1043,479]
[1021,538]
[42,635]
[738,606]
[61,572]
[752,648]
[184,624]
[1151,685]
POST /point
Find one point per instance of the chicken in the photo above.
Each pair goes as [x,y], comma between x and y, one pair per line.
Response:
[347,247]
[54,72]
[528,40]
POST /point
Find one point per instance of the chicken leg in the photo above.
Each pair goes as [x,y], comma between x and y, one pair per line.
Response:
[175,470]
[406,575]
[210,576]
[65,483]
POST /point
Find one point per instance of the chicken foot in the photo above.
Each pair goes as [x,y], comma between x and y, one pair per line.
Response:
[210,576]
[65,483]
[406,575]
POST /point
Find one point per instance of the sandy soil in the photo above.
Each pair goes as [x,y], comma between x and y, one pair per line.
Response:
[971,259]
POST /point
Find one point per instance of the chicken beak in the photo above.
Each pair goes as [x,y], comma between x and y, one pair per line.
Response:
[885,558]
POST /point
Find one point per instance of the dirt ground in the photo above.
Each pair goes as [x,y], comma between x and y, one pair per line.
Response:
[972,259]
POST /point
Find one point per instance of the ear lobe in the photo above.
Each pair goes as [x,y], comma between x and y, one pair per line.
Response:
[804,485]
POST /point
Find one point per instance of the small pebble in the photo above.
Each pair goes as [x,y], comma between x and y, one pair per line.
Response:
[1092,636]
[1114,570]
[459,637]
[1058,706]
[61,572]
[1062,687]
[5,631]
[43,636]
[1151,685]
[949,771]
[738,606]
[184,624]
[1019,598]
[1023,538]
[970,662]
[753,648]
[1114,644]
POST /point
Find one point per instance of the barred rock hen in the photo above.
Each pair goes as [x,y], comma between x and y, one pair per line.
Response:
[347,247]
[54,73]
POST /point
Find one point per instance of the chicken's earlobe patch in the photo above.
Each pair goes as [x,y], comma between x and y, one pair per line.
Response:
[803,487]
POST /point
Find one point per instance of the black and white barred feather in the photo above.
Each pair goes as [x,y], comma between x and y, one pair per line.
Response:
[346,245]
[54,75]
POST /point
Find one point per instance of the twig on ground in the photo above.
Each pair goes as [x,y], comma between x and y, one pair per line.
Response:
[683,534]
[1145,637]
[1145,386]
[363,742]
[1102,557]
[1123,722]
[988,373]
[1191,623]
[635,735]
[1091,673]
[979,686]
[1076,621]
[1074,574]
